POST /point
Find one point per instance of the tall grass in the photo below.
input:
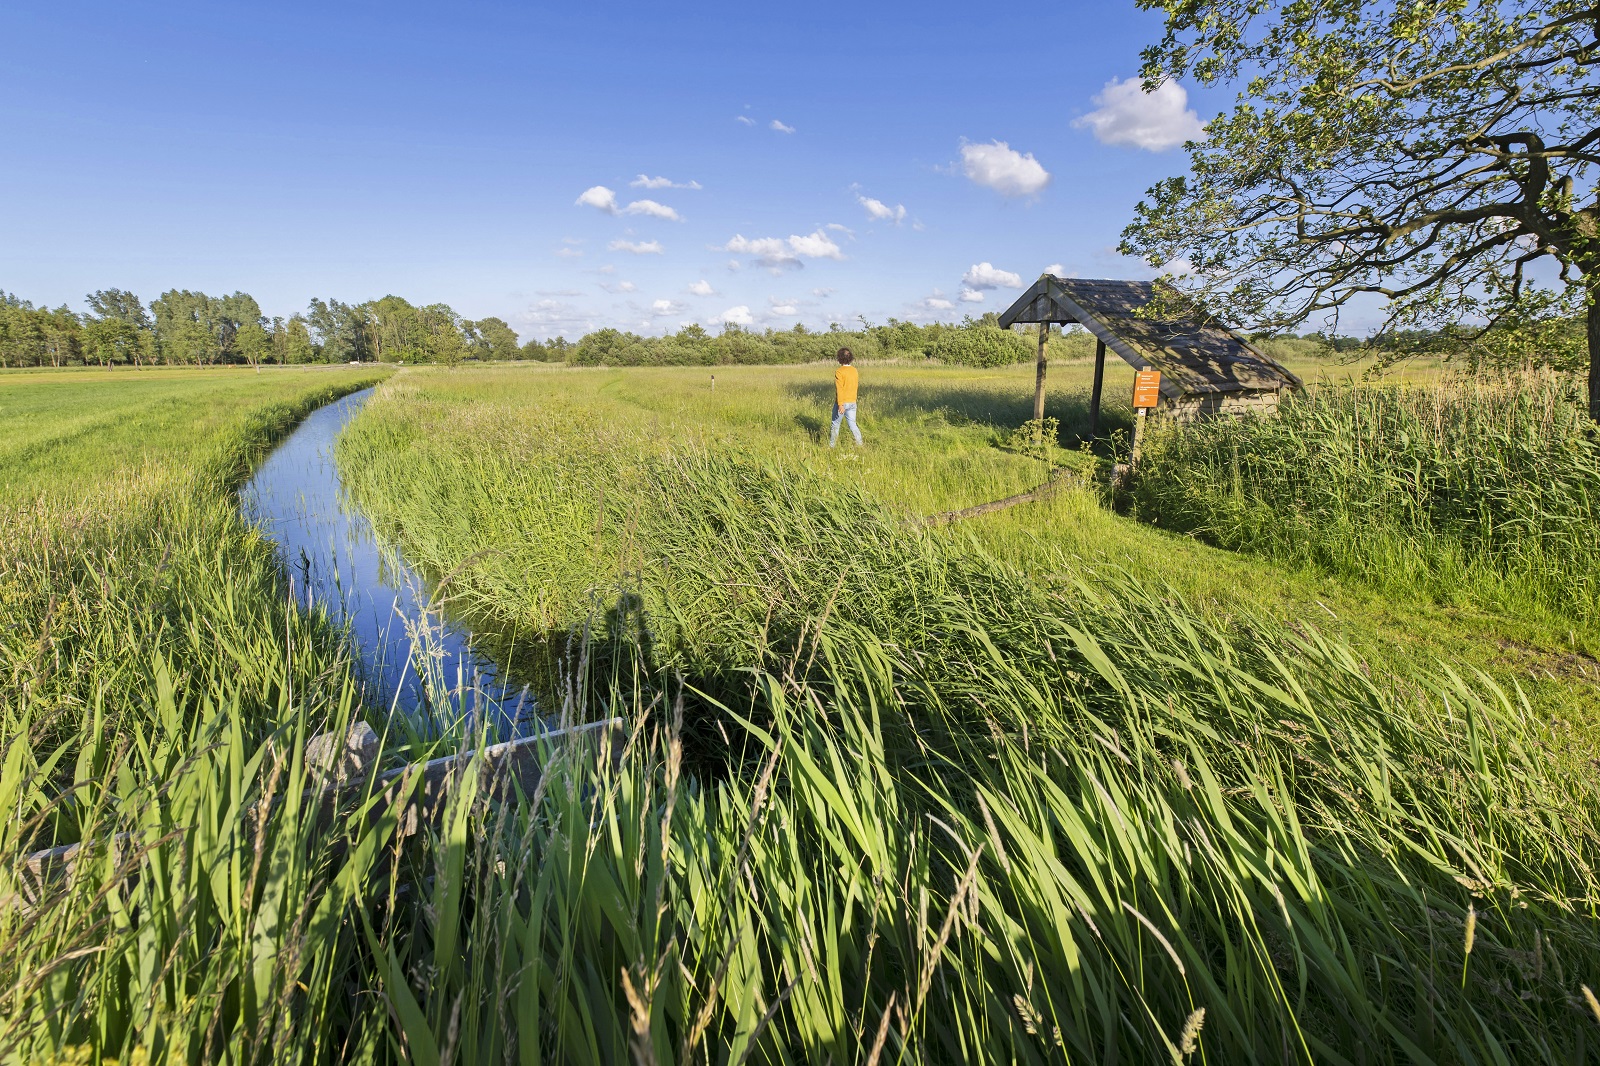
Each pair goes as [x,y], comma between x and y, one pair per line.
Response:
[883,799]
[914,793]
[1455,489]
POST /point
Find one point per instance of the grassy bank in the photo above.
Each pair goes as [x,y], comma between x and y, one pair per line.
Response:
[994,792]
[980,790]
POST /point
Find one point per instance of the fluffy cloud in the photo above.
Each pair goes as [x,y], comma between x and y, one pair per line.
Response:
[778,127]
[701,288]
[938,303]
[665,307]
[1056,270]
[603,199]
[787,310]
[746,119]
[817,245]
[645,182]
[1153,121]
[738,316]
[970,296]
[637,247]
[1000,167]
[776,253]
[619,287]
[569,253]
[882,212]
[600,198]
[989,276]
[822,294]
[653,209]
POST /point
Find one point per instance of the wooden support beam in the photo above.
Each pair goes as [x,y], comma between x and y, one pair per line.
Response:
[1099,380]
[1038,384]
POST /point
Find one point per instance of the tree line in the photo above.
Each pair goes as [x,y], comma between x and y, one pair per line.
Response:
[186,328]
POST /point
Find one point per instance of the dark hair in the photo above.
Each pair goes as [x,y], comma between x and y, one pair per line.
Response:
[845,357]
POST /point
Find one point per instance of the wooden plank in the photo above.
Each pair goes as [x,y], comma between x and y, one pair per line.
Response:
[1038,378]
[1099,382]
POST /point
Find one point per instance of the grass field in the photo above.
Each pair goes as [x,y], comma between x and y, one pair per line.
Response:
[1051,784]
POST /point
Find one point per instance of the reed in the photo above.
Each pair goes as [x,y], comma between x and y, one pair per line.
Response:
[884,797]
[1462,491]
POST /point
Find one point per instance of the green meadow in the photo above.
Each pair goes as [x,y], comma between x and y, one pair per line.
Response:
[1283,755]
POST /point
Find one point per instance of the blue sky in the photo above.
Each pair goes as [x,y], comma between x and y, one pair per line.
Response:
[439,152]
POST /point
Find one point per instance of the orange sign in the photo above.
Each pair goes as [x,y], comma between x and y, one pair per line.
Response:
[1147,388]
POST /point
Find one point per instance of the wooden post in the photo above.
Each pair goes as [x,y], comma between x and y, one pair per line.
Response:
[1138,435]
[1038,383]
[1099,379]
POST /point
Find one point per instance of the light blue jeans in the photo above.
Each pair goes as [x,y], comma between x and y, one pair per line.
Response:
[846,411]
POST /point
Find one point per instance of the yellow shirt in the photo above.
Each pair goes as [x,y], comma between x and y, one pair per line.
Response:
[845,380]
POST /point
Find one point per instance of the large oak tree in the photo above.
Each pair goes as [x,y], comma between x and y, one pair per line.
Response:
[1429,152]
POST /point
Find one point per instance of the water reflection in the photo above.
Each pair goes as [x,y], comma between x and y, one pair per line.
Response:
[413,659]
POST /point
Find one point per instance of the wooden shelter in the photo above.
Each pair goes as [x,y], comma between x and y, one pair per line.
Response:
[1206,368]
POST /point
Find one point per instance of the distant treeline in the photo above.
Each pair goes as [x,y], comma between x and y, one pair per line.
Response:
[191,328]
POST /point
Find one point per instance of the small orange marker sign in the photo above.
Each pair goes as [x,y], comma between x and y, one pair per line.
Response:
[1147,388]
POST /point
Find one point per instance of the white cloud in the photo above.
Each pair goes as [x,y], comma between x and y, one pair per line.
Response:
[1178,267]
[665,307]
[1000,167]
[881,211]
[1153,121]
[746,119]
[970,296]
[619,287]
[778,127]
[785,310]
[702,288]
[938,303]
[637,247]
[599,197]
[653,209]
[569,253]
[645,182]
[822,294]
[817,245]
[838,227]
[989,276]
[1056,270]
[739,316]
[776,253]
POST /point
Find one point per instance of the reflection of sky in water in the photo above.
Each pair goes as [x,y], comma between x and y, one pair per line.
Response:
[334,560]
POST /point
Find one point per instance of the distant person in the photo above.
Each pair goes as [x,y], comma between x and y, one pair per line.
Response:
[845,383]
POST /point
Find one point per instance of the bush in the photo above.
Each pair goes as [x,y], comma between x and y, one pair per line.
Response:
[982,345]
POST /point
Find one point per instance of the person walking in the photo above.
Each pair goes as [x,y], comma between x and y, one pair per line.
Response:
[845,384]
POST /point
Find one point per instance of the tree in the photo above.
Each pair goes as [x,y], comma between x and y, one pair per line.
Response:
[491,338]
[253,343]
[340,329]
[117,328]
[192,327]
[1428,153]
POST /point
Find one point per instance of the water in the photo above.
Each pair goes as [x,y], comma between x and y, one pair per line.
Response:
[414,659]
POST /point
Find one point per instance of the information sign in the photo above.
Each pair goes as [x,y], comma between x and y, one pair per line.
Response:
[1147,388]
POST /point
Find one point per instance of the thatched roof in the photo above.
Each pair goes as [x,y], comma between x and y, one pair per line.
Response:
[1193,356]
